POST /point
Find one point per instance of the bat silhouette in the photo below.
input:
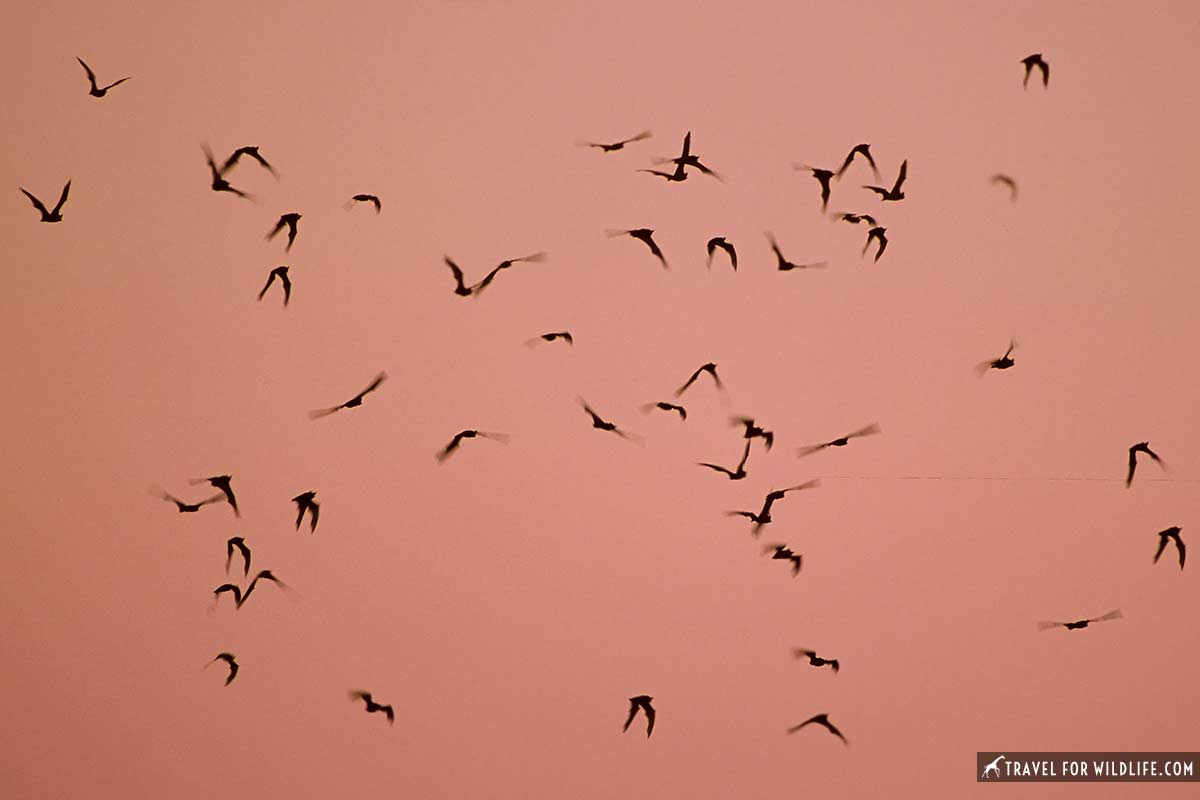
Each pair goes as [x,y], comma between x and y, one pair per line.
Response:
[1003,362]
[353,402]
[842,441]
[49,216]
[1009,182]
[372,706]
[289,221]
[240,597]
[219,184]
[225,484]
[823,721]
[816,660]
[880,235]
[228,659]
[602,424]
[719,241]
[1079,624]
[251,151]
[284,280]
[1032,61]
[238,543]
[608,148]
[736,474]
[189,508]
[97,91]
[491,276]
[1140,447]
[661,406]
[646,236]
[642,701]
[784,264]
[1171,534]
[895,193]
[854,219]
[550,337]
[306,502]
[469,434]
[823,177]
[863,150]
[784,553]
[763,517]
[754,431]
[711,369]
[365,198]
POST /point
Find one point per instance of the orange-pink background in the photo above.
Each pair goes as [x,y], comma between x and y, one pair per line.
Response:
[509,601]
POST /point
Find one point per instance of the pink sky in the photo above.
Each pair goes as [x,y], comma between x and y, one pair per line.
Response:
[509,601]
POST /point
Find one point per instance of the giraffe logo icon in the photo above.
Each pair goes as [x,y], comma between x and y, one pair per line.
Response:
[992,767]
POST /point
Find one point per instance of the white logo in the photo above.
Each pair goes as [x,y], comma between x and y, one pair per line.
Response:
[992,767]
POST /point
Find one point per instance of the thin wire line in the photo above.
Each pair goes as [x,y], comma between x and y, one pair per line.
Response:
[1000,478]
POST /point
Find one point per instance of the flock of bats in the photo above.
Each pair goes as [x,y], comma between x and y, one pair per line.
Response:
[306,502]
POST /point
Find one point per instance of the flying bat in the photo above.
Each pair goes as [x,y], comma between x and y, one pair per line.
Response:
[372,706]
[219,184]
[823,177]
[353,402]
[816,660]
[289,221]
[719,241]
[1003,362]
[863,150]
[97,91]
[365,198]
[225,484]
[1009,182]
[282,274]
[189,508]
[642,701]
[445,452]
[1032,61]
[1140,447]
[49,216]
[645,236]
[1078,624]
[237,542]
[842,441]
[822,720]
[661,406]
[609,148]
[1171,534]
[228,659]
[784,553]
[306,502]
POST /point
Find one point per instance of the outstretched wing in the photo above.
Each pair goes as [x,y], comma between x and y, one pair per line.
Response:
[63,197]
[36,203]
[629,720]
[91,76]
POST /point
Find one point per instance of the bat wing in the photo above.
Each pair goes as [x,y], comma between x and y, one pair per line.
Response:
[36,203]
[62,199]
